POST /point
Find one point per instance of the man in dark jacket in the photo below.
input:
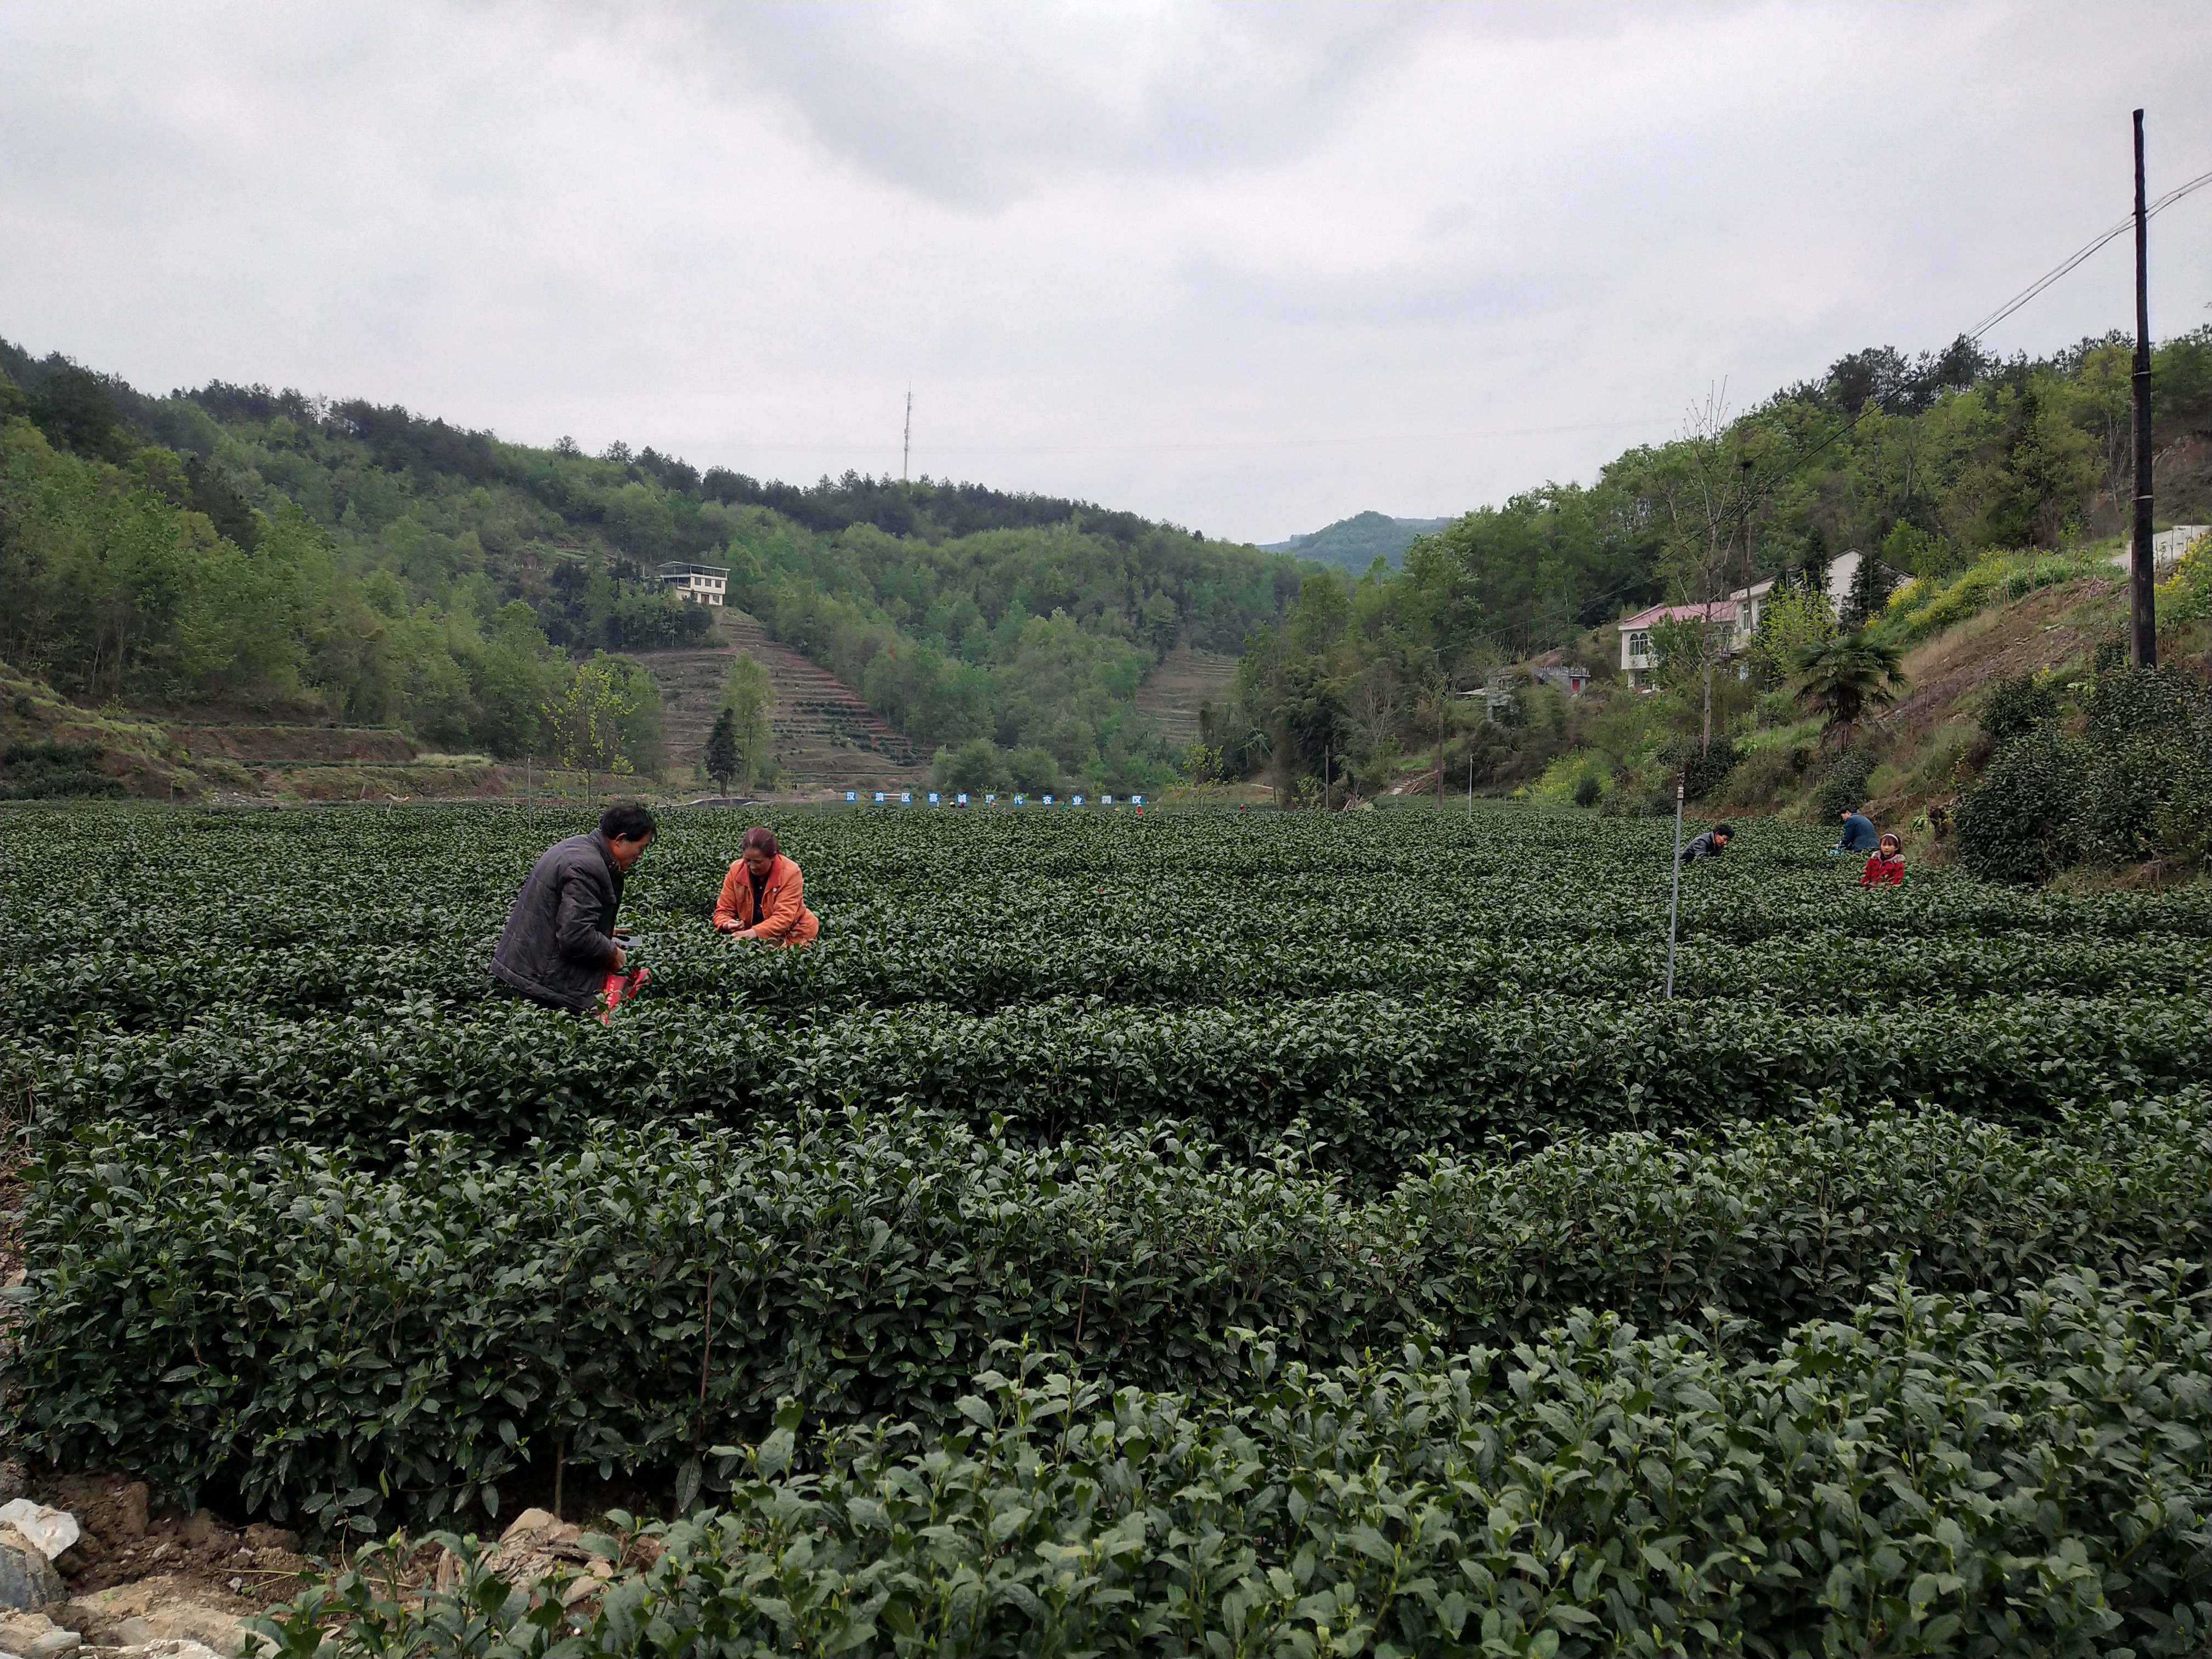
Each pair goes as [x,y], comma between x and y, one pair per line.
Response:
[1859,833]
[1709,845]
[559,946]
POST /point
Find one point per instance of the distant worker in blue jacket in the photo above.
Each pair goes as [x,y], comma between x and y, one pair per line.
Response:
[1859,833]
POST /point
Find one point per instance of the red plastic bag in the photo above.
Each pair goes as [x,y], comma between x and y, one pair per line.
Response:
[621,989]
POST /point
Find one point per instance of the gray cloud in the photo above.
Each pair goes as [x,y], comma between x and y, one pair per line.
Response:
[1248,267]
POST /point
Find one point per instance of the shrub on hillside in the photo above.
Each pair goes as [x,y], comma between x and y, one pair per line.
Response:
[1842,784]
[2150,784]
[1703,770]
[2018,822]
[2136,783]
[2016,706]
[1926,607]
[53,771]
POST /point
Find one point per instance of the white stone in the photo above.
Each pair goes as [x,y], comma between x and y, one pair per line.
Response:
[52,1530]
[529,1521]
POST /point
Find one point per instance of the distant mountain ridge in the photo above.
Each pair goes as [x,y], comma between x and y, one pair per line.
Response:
[1356,543]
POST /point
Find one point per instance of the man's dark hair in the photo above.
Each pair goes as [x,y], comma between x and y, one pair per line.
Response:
[1724,830]
[627,820]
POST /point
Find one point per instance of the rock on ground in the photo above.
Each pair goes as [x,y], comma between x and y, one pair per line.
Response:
[52,1529]
[27,1580]
[151,1610]
[537,1545]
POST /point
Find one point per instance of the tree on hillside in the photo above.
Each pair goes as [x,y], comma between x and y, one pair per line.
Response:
[587,720]
[1868,591]
[1795,618]
[1710,487]
[1841,678]
[721,759]
[747,697]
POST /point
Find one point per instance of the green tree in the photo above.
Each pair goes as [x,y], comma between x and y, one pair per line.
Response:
[1841,678]
[747,697]
[721,759]
[977,766]
[587,720]
[1795,618]
[1868,591]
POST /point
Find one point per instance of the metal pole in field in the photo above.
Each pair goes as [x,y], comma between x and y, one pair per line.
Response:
[1443,705]
[1470,789]
[1675,899]
[2143,615]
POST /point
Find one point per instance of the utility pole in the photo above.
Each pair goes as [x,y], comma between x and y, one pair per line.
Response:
[906,444]
[2143,614]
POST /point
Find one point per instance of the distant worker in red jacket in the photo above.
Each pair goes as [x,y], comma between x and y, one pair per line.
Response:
[764,897]
[1886,868]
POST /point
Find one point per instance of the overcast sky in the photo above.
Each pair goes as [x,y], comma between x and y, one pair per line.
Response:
[1251,268]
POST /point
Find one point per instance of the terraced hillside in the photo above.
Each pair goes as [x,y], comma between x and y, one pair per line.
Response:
[826,737]
[1171,693]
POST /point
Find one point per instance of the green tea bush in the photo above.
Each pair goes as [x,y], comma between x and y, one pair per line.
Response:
[285,913]
[354,1346]
[1842,784]
[1383,1080]
[2136,783]
[53,771]
[1937,1475]
[2018,822]
[2150,782]
[314,1225]
[2017,706]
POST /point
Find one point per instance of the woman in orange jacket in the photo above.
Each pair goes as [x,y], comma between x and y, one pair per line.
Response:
[764,897]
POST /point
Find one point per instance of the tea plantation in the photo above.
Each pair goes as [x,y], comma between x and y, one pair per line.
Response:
[1209,1234]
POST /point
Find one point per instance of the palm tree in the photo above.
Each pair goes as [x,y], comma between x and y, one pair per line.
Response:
[1843,677]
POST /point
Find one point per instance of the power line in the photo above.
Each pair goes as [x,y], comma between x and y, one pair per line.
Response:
[1733,519]
[1736,517]
[2070,264]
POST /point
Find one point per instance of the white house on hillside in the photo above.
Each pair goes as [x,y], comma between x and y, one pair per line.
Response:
[1739,614]
[703,583]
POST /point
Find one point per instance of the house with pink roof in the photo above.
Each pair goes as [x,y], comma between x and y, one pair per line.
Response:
[1735,619]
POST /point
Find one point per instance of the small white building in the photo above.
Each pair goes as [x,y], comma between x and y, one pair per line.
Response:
[1738,614]
[701,584]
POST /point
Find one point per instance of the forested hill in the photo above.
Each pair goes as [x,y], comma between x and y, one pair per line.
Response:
[1927,463]
[238,547]
[1357,542]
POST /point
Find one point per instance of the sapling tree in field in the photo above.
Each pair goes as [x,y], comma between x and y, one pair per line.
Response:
[1710,488]
[587,720]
